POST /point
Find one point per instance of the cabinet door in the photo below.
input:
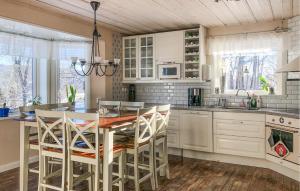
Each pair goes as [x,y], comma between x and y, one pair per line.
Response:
[169,47]
[196,131]
[173,138]
[242,146]
[146,57]
[130,58]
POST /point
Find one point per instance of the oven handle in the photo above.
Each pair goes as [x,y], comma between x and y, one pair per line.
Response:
[280,128]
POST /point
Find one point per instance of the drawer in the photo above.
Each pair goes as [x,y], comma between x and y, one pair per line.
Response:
[239,128]
[200,113]
[174,120]
[241,146]
[173,139]
[240,116]
[174,113]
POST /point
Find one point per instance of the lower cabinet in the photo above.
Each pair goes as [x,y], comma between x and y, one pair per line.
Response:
[242,146]
[173,139]
[196,131]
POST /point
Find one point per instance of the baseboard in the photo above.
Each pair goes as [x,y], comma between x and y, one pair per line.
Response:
[232,159]
[16,164]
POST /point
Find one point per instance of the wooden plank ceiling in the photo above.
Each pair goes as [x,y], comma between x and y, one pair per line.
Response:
[146,16]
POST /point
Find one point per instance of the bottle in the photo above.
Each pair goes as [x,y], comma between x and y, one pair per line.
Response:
[258,100]
[253,102]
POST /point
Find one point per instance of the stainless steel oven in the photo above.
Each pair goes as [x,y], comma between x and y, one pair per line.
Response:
[169,71]
[282,138]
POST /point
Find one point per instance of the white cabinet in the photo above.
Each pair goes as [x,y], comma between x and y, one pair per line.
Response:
[169,47]
[240,134]
[173,129]
[146,57]
[196,130]
[130,57]
[242,146]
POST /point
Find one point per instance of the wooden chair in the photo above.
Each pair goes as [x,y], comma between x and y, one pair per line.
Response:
[90,151]
[131,106]
[51,146]
[142,141]
[160,142]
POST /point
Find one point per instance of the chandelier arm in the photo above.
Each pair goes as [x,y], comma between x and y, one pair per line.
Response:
[89,71]
[97,71]
[115,69]
[78,73]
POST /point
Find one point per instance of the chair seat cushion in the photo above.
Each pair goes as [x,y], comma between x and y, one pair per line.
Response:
[128,142]
[116,149]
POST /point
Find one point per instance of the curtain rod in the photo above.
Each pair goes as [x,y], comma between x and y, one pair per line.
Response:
[42,38]
[245,33]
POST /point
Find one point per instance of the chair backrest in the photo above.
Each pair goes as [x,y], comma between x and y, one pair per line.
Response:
[162,119]
[111,105]
[51,129]
[83,133]
[131,106]
[145,125]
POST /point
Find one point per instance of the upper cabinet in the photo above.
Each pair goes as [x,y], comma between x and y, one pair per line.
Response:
[146,58]
[143,53]
[169,47]
[130,58]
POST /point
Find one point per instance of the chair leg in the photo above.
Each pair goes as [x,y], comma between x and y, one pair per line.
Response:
[136,172]
[63,177]
[155,165]
[41,173]
[166,158]
[121,172]
[151,165]
[70,175]
[96,180]
[90,180]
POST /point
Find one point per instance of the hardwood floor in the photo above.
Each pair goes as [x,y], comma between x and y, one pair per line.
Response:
[193,175]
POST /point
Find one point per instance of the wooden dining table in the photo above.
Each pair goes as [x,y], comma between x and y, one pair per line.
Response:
[109,124]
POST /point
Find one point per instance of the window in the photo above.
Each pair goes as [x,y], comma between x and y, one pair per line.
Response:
[240,60]
[67,76]
[16,87]
[242,70]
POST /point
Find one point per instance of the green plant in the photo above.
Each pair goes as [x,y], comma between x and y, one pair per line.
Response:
[71,93]
[36,100]
[264,84]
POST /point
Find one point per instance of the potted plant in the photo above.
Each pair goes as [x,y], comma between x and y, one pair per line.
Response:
[71,94]
[36,100]
[265,85]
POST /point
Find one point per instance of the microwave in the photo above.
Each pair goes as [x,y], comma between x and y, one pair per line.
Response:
[169,71]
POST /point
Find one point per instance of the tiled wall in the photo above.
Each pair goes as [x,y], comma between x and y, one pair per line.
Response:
[167,92]
[294,45]
[119,89]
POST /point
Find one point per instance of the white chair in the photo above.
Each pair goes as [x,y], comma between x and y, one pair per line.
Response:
[111,105]
[90,151]
[51,146]
[131,106]
[142,141]
[160,142]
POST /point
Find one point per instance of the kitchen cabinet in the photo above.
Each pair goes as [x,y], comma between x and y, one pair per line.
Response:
[241,134]
[241,146]
[146,57]
[130,57]
[169,47]
[173,129]
[196,130]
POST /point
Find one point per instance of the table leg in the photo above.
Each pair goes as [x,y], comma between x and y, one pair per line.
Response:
[24,155]
[107,159]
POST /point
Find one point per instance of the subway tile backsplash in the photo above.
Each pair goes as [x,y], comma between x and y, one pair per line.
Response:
[175,93]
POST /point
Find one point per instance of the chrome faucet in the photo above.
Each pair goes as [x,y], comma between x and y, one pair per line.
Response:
[237,93]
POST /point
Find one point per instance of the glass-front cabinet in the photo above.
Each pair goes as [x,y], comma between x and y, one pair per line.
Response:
[146,58]
[130,58]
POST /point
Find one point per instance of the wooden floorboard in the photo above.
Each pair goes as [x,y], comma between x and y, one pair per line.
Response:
[192,175]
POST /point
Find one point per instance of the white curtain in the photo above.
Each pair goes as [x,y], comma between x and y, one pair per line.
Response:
[16,45]
[247,49]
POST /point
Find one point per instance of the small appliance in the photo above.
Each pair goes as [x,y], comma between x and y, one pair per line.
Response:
[169,71]
[195,96]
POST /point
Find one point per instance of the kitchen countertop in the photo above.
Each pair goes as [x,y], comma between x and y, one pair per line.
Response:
[293,113]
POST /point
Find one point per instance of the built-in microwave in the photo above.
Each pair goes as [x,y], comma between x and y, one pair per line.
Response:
[169,71]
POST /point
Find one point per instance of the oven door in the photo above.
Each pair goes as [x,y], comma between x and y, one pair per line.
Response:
[287,138]
[170,71]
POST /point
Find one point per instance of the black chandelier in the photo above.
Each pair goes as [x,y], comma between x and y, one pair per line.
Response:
[102,67]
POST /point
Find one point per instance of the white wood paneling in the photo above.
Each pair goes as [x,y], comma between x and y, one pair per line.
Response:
[136,16]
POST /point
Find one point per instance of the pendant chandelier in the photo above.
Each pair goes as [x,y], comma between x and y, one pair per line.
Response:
[97,63]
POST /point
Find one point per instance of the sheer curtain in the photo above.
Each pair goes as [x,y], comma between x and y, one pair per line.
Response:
[239,60]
